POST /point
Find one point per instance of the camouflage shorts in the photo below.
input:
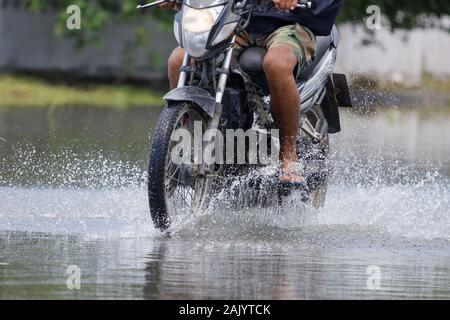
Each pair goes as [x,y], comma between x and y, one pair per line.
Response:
[299,38]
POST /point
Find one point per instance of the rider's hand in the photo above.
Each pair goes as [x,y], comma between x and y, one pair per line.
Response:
[285,5]
[168,5]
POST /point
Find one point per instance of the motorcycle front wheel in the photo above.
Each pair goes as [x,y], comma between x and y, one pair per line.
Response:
[175,189]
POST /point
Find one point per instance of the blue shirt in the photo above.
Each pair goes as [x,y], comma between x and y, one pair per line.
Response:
[319,19]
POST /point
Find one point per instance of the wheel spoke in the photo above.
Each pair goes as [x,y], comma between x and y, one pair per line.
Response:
[182,190]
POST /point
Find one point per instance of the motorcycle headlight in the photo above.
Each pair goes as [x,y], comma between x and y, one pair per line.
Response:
[196,25]
[197,20]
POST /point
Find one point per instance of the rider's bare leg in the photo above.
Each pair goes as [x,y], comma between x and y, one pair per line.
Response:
[174,64]
[279,65]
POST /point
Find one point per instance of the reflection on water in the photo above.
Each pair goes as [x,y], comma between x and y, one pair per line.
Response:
[418,137]
[193,269]
[72,189]
[72,147]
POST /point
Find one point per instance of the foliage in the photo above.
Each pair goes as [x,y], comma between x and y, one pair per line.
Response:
[403,14]
[97,14]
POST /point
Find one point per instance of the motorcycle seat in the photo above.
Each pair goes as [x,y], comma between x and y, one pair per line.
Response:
[323,45]
[251,59]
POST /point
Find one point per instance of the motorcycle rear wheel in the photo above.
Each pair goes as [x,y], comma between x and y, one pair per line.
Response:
[314,155]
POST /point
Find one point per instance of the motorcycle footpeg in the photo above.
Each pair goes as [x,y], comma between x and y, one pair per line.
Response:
[285,189]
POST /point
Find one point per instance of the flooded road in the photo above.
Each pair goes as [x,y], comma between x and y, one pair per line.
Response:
[72,193]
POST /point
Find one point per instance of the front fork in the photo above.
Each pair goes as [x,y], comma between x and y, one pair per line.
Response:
[223,73]
[221,86]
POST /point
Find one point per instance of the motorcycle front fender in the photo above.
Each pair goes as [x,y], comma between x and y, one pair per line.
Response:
[196,95]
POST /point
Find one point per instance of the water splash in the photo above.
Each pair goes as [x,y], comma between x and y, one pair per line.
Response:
[28,166]
[94,195]
[68,193]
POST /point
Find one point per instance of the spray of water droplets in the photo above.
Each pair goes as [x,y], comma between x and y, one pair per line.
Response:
[96,195]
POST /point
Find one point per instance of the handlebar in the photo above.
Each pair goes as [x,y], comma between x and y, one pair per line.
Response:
[152,4]
[158,3]
[303,4]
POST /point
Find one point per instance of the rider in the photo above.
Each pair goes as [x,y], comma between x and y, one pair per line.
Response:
[290,39]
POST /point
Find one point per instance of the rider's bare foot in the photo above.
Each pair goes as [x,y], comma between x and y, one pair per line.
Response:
[291,172]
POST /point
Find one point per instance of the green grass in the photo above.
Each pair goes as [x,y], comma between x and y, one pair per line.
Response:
[439,85]
[31,91]
[428,82]
[26,91]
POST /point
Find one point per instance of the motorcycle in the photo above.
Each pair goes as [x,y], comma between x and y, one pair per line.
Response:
[218,91]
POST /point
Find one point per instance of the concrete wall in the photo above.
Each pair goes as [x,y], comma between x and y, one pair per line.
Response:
[27,42]
[402,56]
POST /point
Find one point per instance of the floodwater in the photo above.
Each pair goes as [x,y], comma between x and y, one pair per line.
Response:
[73,203]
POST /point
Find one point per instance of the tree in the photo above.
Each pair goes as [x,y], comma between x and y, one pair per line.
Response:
[404,14]
[96,15]
[401,14]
